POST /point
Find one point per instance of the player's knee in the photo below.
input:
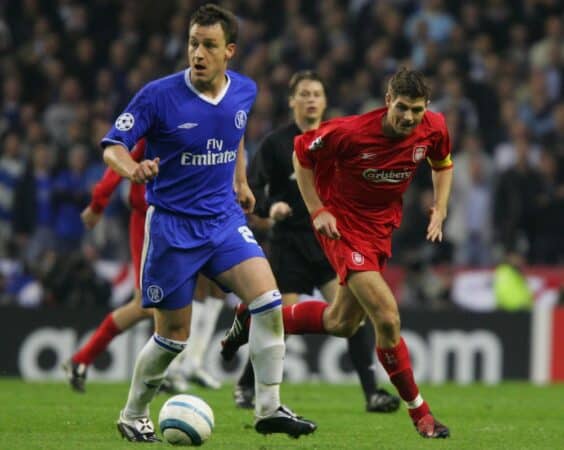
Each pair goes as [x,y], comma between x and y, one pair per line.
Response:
[341,327]
[388,325]
[175,332]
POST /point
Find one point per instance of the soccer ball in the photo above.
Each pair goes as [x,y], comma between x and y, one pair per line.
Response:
[186,420]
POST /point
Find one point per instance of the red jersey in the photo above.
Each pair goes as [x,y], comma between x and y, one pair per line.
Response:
[359,172]
[360,176]
[108,183]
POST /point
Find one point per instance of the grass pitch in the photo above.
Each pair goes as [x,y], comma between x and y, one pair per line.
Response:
[509,416]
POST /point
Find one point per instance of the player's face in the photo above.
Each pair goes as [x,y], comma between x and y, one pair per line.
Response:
[208,54]
[404,114]
[308,102]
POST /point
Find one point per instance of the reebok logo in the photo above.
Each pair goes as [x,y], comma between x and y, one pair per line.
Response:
[188,125]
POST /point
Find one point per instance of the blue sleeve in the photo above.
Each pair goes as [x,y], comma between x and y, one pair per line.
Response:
[134,122]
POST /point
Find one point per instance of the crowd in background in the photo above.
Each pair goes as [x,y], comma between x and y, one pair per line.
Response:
[496,67]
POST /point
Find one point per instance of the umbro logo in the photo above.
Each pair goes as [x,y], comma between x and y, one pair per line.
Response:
[188,125]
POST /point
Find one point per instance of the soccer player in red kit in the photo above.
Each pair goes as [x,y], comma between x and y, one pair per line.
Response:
[129,314]
[352,173]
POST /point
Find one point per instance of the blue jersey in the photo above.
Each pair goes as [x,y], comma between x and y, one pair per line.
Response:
[195,137]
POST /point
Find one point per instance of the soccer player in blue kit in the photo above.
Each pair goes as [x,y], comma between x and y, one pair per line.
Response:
[194,122]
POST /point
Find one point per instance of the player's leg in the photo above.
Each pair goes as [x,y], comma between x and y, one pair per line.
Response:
[172,328]
[170,293]
[252,280]
[361,349]
[208,302]
[288,267]
[211,308]
[340,318]
[376,297]
[244,392]
[117,321]
[113,324]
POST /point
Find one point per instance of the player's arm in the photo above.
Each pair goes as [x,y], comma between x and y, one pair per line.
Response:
[101,194]
[442,182]
[104,189]
[244,194]
[119,159]
[323,221]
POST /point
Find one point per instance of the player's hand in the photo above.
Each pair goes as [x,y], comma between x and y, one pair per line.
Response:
[279,211]
[89,217]
[435,228]
[145,171]
[245,197]
[326,224]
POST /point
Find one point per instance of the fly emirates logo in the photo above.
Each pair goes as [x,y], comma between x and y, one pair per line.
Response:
[214,155]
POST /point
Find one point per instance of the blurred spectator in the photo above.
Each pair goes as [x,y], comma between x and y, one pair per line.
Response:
[454,100]
[34,217]
[548,244]
[436,20]
[70,195]
[11,169]
[60,114]
[71,280]
[515,206]
[540,53]
[512,293]
[469,226]
[506,153]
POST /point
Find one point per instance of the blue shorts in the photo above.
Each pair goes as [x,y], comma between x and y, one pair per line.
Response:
[177,247]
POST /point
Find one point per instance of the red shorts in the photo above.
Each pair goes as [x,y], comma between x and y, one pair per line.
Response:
[357,251]
[136,236]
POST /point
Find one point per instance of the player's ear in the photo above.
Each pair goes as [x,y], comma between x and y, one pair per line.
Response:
[230,51]
[291,101]
[388,98]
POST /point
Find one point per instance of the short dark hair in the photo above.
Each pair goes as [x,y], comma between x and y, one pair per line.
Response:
[303,75]
[211,14]
[409,83]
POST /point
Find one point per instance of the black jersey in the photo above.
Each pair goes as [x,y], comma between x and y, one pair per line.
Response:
[272,179]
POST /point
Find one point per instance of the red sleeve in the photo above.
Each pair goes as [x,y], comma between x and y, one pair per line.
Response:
[439,155]
[321,144]
[138,152]
[104,189]
[304,156]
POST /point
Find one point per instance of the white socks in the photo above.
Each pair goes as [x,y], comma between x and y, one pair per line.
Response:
[150,369]
[267,348]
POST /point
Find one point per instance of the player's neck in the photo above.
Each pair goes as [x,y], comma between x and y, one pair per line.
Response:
[306,125]
[212,88]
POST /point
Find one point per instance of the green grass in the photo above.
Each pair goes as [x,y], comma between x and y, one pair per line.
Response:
[509,416]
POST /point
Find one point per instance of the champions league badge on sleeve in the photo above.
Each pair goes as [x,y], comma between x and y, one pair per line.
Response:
[125,122]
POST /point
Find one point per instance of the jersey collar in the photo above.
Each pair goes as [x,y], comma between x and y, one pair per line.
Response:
[205,98]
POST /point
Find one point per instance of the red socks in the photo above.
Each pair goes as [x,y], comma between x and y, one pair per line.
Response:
[396,362]
[98,342]
[304,317]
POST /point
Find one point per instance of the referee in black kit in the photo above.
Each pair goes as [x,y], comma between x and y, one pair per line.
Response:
[297,260]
